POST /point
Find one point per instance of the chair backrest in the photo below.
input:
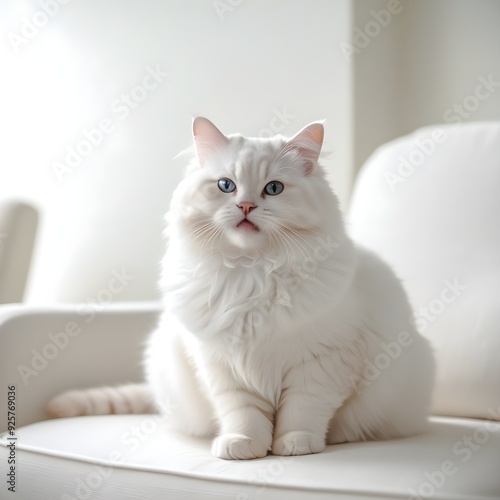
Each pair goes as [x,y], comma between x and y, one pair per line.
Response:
[429,204]
[18,227]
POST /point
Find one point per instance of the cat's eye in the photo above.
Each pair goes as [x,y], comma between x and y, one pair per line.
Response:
[273,188]
[226,185]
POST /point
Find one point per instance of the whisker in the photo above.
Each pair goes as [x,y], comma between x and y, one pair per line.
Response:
[211,238]
[286,244]
[273,237]
[216,235]
[295,235]
[203,231]
[279,218]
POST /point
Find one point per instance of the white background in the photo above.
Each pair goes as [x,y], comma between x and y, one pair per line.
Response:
[240,63]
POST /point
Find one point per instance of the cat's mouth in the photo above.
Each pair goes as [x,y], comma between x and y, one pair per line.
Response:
[247,225]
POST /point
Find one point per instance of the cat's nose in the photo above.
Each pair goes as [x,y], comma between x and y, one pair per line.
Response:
[246,207]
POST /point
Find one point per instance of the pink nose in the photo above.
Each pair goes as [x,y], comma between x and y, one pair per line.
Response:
[246,207]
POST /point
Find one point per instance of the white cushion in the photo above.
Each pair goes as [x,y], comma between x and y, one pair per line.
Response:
[132,456]
[428,203]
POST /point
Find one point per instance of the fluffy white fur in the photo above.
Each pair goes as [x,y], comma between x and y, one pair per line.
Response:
[282,336]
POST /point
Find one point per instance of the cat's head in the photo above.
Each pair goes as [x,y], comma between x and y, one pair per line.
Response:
[248,196]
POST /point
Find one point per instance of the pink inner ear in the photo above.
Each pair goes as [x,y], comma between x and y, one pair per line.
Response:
[207,138]
[308,167]
[308,143]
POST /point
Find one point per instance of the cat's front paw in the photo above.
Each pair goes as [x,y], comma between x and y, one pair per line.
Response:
[298,443]
[238,447]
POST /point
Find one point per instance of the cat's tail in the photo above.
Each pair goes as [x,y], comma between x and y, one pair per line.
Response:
[131,398]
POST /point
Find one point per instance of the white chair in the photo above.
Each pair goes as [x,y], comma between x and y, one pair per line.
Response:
[429,204]
[18,227]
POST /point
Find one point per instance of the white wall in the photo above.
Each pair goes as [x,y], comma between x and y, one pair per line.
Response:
[428,59]
[242,64]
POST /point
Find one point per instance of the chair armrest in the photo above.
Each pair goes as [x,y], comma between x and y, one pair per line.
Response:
[18,226]
[47,350]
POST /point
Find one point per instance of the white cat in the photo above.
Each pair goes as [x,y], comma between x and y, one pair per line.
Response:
[278,334]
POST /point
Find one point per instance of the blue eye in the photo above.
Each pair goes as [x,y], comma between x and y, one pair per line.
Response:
[226,185]
[274,188]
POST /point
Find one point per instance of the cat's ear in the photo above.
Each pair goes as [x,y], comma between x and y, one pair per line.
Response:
[207,138]
[307,142]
